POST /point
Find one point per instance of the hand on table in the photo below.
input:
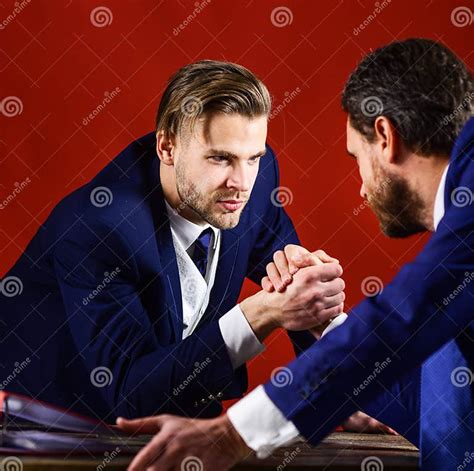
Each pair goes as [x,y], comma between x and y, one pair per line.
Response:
[182,443]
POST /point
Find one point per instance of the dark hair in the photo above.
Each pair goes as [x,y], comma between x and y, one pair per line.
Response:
[210,86]
[421,86]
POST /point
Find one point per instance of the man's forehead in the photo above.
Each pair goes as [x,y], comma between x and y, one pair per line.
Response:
[238,136]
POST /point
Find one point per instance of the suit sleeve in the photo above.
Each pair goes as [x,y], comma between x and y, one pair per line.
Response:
[100,288]
[386,337]
[276,231]
[399,406]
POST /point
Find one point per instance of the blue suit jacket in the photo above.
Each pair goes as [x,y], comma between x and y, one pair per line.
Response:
[406,356]
[97,326]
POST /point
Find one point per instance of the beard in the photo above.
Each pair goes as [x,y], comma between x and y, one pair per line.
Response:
[204,205]
[397,207]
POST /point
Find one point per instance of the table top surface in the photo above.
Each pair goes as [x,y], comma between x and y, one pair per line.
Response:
[339,451]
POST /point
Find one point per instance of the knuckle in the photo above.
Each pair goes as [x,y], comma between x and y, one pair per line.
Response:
[313,273]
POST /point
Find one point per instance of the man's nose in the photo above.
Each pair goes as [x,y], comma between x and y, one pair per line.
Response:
[239,179]
[363,193]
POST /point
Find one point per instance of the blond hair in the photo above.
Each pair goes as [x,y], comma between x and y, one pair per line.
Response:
[206,87]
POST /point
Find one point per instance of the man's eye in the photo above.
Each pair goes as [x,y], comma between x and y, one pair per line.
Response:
[219,158]
[254,160]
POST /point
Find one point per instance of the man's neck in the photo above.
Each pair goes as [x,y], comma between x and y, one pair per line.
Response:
[427,172]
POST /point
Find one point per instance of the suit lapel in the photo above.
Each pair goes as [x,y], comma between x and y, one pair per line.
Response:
[224,274]
[169,267]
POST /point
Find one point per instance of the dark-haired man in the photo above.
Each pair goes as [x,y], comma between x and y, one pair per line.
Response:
[407,355]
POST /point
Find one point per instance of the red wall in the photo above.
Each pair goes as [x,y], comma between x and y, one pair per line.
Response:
[59,64]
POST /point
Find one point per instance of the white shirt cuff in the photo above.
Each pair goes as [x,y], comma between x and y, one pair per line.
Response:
[336,322]
[261,424]
[241,341]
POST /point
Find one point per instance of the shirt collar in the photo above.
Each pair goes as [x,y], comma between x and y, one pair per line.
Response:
[438,211]
[186,231]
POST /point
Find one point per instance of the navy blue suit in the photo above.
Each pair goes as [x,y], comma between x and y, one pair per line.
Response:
[100,289]
[406,356]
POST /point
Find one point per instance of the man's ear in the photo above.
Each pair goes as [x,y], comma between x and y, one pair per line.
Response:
[387,138]
[165,147]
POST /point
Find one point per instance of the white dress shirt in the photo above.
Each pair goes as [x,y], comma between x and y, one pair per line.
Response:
[258,420]
[240,340]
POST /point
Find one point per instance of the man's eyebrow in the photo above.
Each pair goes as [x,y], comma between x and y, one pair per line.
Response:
[230,155]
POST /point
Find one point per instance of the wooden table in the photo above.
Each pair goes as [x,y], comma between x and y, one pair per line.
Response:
[339,451]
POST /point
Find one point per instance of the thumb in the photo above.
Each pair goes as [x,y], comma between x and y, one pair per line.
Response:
[324,257]
[142,425]
[298,257]
[303,261]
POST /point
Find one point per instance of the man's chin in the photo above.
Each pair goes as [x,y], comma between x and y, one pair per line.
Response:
[228,220]
[224,220]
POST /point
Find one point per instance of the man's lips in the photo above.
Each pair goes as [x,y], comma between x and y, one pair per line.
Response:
[231,205]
